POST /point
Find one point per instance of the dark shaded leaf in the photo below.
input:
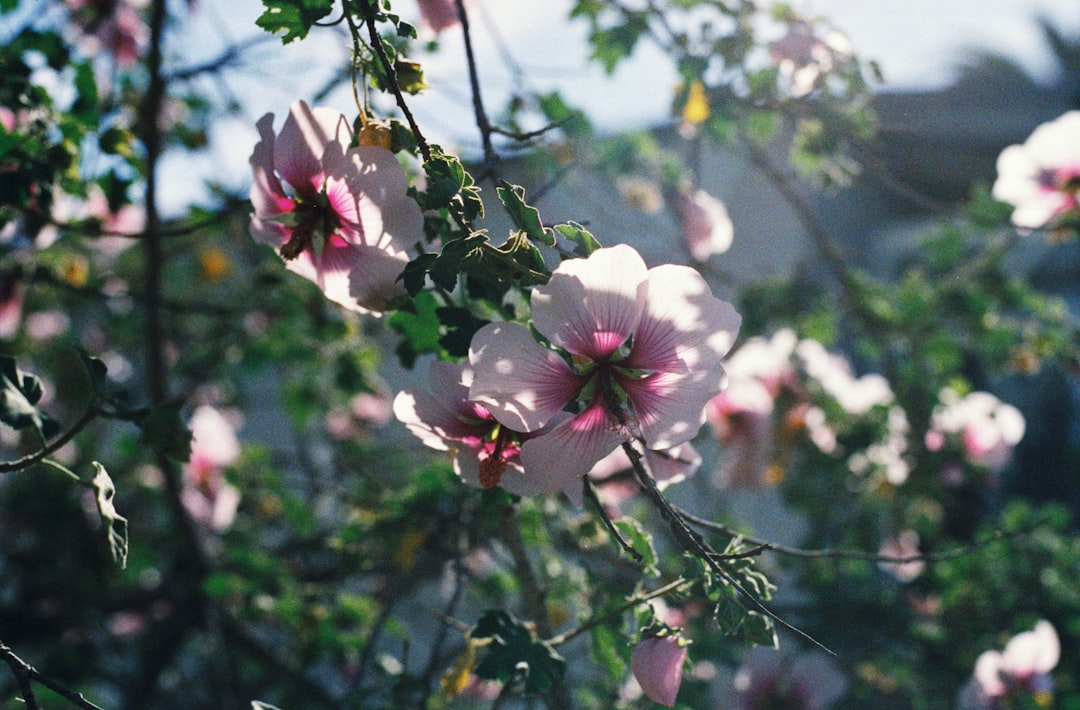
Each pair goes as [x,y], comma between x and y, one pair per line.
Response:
[19,397]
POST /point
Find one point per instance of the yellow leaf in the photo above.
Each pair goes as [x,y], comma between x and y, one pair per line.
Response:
[696,109]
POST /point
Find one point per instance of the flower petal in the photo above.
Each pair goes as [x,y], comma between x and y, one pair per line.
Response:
[303,141]
[558,460]
[657,665]
[683,326]
[670,408]
[448,417]
[267,196]
[373,281]
[522,383]
[591,306]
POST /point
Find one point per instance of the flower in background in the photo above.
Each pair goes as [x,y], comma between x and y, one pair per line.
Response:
[985,428]
[904,544]
[206,495]
[486,453]
[347,221]
[1041,177]
[657,664]
[804,59]
[646,347]
[705,223]
[615,482]
[439,15]
[114,25]
[771,679]
[11,302]
[1022,668]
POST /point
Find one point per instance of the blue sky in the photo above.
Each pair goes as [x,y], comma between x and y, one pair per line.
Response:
[917,42]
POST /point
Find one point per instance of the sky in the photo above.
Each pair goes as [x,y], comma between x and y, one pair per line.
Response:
[918,43]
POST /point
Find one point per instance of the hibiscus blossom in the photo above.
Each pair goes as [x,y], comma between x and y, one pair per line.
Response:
[347,222]
[1023,668]
[1041,178]
[438,15]
[486,453]
[206,495]
[705,223]
[645,346]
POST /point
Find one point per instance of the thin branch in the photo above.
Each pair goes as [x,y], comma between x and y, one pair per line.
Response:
[482,121]
[696,545]
[590,495]
[630,603]
[839,553]
[227,57]
[38,456]
[25,673]
[391,76]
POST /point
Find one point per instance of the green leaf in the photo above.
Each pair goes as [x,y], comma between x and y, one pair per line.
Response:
[19,397]
[294,18]
[96,370]
[445,177]
[116,525]
[607,648]
[420,326]
[641,541]
[526,217]
[164,430]
[410,76]
[583,238]
[512,652]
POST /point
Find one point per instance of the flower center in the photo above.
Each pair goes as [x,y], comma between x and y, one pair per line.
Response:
[312,222]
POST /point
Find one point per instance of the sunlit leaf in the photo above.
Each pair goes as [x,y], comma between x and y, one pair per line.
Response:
[116,525]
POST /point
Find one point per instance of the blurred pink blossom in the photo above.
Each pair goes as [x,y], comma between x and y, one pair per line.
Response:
[1041,177]
[207,496]
[1023,667]
[804,59]
[657,664]
[903,544]
[772,679]
[347,221]
[705,223]
[439,15]
[985,428]
[11,303]
[114,25]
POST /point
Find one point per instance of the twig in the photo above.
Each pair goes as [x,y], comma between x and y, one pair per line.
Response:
[482,121]
[25,673]
[629,604]
[43,453]
[834,553]
[590,495]
[391,76]
[224,59]
[696,545]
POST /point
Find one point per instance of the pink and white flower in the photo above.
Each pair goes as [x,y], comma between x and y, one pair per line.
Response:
[1023,667]
[986,428]
[804,58]
[206,495]
[439,15]
[657,664]
[646,347]
[115,25]
[1041,177]
[769,678]
[705,223]
[347,221]
[486,453]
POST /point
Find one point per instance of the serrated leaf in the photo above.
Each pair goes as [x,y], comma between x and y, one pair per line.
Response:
[19,397]
[410,76]
[526,217]
[164,430]
[116,525]
[583,239]
[293,18]
[445,177]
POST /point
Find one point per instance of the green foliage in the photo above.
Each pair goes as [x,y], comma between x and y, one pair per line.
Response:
[164,431]
[292,18]
[512,652]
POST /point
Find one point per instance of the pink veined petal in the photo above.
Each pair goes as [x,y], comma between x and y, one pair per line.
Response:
[591,306]
[303,141]
[657,665]
[373,281]
[269,232]
[674,465]
[683,326]
[670,408]
[522,383]
[267,196]
[438,423]
[559,459]
[390,219]
[334,265]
